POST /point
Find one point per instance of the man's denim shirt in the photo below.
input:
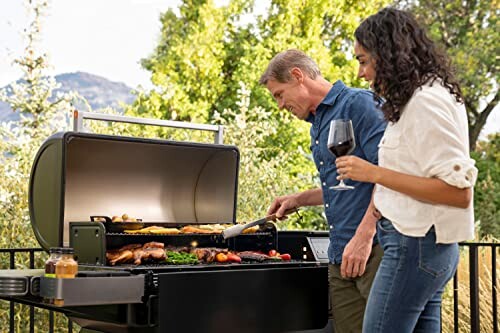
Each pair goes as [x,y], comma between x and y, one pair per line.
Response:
[345,209]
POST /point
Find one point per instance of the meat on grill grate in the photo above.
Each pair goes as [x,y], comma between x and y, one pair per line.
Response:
[136,253]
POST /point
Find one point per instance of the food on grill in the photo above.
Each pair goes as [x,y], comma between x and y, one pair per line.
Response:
[208,254]
[116,219]
[212,229]
[122,255]
[123,218]
[189,229]
[136,253]
[256,256]
[157,253]
[251,230]
[205,228]
[152,250]
[285,256]
[233,257]
[181,258]
[221,257]
[154,230]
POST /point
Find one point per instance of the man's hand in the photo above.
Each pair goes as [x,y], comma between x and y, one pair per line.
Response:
[355,256]
[283,203]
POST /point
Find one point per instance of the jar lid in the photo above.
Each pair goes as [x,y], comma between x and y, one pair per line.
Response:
[55,249]
[67,250]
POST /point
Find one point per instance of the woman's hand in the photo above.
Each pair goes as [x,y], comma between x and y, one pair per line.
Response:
[355,168]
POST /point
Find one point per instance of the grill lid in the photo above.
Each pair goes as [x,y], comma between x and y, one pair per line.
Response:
[76,175]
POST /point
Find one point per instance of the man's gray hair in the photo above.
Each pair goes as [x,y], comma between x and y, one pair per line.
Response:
[281,65]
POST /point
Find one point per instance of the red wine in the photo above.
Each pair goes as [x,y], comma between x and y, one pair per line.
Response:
[342,148]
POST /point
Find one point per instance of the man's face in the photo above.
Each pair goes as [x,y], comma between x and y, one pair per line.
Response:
[366,63]
[292,96]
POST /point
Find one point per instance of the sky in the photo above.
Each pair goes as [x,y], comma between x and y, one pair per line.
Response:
[102,37]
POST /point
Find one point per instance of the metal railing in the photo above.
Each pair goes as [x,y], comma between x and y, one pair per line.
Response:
[474,287]
[31,264]
[473,248]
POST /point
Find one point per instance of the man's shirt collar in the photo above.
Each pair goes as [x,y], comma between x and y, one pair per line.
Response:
[329,99]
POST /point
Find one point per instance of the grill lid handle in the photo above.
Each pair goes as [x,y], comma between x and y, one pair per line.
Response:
[79,116]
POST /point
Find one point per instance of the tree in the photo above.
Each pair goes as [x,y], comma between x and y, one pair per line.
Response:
[206,55]
[40,117]
[187,66]
[487,195]
[467,30]
[205,52]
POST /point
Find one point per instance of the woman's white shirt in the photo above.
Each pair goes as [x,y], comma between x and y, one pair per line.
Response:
[429,140]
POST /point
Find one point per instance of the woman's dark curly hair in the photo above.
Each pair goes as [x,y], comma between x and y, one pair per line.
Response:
[405,59]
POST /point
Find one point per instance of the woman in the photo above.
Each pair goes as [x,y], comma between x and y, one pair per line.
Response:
[425,175]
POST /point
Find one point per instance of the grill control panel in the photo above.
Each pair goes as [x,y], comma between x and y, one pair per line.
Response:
[319,247]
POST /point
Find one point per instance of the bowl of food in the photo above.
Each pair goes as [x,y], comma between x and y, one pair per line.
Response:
[118,223]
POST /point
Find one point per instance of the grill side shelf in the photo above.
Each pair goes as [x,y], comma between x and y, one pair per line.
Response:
[94,290]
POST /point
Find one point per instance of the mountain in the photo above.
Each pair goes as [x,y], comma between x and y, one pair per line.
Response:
[99,92]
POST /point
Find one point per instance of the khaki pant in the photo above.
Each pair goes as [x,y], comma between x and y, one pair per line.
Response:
[349,296]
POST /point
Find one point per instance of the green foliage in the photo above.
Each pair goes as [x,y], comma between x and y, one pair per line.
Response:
[42,114]
[467,30]
[20,141]
[205,57]
[261,179]
[487,189]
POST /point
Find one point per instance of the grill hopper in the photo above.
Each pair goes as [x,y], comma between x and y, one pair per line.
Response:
[76,175]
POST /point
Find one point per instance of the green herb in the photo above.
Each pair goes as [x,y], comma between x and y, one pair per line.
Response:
[181,258]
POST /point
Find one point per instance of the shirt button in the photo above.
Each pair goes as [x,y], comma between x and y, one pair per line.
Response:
[456,167]
[317,142]
[324,184]
[320,162]
[327,205]
[331,227]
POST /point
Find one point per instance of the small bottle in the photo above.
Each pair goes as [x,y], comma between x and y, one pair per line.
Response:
[66,268]
[50,266]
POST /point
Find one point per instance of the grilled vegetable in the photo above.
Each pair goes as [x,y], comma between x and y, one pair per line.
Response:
[221,257]
[233,257]
[285,256]
[181,258]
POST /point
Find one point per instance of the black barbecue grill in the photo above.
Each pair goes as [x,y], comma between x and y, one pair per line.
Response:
[173,184]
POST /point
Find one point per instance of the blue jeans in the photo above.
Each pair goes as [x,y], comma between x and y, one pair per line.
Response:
[406,293]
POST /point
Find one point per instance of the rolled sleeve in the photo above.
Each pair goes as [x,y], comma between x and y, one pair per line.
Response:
[459,173]
[439,130]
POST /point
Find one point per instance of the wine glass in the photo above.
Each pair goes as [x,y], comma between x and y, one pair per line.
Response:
[340,143]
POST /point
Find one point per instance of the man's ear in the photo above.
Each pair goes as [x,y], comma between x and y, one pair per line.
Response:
[297,74]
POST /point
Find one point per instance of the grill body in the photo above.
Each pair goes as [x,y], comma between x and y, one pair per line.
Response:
[77,175]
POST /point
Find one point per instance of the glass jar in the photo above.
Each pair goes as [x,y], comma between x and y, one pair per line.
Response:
[50,264]
[66,268]
[50,267]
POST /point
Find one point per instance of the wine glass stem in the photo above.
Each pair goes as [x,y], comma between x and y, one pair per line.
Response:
[341,183]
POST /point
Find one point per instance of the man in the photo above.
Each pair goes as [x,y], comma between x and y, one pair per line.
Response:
[296,83]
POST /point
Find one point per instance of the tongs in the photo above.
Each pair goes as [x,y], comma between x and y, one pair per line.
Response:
[238,229]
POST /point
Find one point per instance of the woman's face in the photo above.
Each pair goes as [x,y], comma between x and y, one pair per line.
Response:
[366,63]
